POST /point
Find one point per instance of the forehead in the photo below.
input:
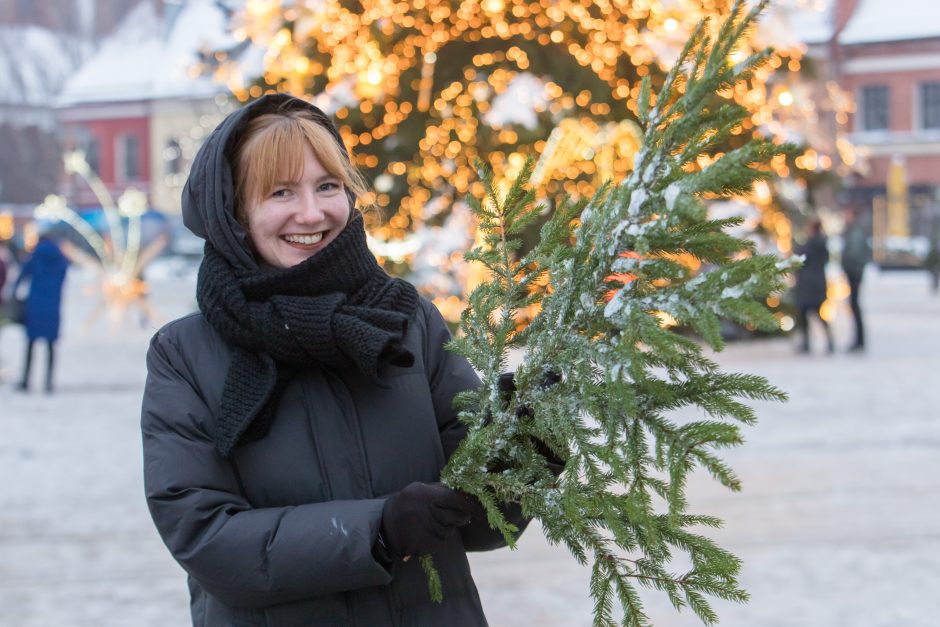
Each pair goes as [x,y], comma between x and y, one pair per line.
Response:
[289,162]
[304,163]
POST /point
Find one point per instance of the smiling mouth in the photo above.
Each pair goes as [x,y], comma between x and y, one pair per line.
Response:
[304,240]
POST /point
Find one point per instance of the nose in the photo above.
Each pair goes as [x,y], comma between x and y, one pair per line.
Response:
[309,211]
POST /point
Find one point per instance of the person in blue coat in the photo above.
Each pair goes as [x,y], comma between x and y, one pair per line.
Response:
[45,270]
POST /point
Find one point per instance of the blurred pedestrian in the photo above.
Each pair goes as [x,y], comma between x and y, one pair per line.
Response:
[856,253]
[811,283]
[294,430]
[4,269]
[932,263]
[45,271]
[3,278]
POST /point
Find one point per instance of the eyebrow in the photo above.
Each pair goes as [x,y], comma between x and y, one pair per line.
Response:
[325,177]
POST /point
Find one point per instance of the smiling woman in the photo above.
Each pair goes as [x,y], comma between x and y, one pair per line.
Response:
[294,429]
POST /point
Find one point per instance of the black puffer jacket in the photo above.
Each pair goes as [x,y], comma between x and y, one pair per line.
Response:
[281,533]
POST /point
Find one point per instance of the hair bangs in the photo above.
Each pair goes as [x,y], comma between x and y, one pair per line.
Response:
[325,148]
[333,157]
[273,153]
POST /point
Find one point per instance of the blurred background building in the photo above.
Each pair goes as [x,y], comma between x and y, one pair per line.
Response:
[141,104]
[126,82]
[137,84]
[887,55]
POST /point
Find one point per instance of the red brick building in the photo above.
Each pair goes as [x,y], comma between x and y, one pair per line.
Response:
[115,138]
[887,54]
[42,45]
[136,110]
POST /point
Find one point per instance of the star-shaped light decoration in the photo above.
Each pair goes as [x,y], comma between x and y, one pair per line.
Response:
[120,259]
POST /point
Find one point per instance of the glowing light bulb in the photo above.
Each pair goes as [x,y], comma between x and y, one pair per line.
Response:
[75,163]
[493,6]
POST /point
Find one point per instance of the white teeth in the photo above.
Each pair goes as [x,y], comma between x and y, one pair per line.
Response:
[304,239]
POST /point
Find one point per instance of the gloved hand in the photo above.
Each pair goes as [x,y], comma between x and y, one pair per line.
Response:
[420,517]
[507,387]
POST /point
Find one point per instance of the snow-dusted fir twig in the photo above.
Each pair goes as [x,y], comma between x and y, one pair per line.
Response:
[638,406]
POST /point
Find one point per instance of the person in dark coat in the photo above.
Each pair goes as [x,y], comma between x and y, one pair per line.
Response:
[811,283]
[45,269]
[932,263]
[3,281]
[856,253]
[3,277]
[295,428]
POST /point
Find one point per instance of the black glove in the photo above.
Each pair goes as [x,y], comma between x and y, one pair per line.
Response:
[420,517]
[507,387]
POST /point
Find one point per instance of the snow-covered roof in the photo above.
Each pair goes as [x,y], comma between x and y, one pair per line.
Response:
[892,20]
[143,60]
[795,24]
[811,21]
[35,62]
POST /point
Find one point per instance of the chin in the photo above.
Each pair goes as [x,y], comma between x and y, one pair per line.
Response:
[296,260]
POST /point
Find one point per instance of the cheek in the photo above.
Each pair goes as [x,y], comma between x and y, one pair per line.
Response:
[340,208]
[259,223]
[256,240]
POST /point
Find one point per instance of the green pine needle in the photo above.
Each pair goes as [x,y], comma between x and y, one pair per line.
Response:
[434,578]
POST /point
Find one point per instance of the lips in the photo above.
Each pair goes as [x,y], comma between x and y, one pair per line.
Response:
[304,240]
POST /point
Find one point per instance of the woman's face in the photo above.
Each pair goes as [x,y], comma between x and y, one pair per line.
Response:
[299,218]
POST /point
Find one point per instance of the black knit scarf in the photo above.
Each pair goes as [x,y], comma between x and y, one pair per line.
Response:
[338,309]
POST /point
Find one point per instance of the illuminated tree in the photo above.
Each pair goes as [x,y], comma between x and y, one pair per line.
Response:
[422,88]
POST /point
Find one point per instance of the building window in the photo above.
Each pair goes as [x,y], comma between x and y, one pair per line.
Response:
[128,158]
[930,106]
[85,141]
[875,108]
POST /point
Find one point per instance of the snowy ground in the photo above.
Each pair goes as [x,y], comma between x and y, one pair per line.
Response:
[837,523]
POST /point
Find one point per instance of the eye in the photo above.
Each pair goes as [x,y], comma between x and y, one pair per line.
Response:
[280,192]
[329,186]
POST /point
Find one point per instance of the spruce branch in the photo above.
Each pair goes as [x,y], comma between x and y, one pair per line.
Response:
[635,407]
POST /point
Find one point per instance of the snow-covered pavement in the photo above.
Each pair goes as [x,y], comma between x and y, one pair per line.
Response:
[837,523]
